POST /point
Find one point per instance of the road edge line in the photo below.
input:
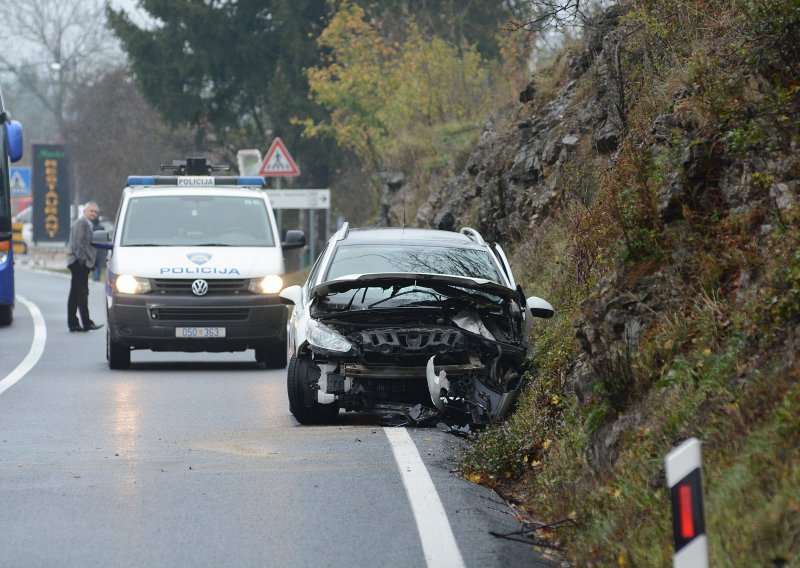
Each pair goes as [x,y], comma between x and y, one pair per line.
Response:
[438,542]
[34,353]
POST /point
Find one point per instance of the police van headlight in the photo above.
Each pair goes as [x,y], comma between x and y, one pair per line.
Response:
[268,285]
[127,284]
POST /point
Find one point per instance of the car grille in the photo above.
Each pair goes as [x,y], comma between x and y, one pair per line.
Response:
[410,342]
[216,286]
[200,314]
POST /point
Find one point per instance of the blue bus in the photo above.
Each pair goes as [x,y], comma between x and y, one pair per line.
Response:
[10,151]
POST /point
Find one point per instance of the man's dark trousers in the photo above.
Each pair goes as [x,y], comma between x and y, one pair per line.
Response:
[78,300]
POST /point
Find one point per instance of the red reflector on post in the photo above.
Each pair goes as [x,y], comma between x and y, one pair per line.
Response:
[686,516]
[685,482]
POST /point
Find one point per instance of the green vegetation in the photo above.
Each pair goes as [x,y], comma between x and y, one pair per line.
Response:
[720,362]
[406,101]
[240,73]
[231,70]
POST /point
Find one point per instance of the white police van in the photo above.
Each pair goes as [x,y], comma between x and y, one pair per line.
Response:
[195,264]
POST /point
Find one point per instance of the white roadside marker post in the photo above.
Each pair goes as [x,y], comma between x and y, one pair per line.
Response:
[685,482]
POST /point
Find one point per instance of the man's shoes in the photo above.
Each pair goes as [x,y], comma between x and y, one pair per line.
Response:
[76,328]
[92,326]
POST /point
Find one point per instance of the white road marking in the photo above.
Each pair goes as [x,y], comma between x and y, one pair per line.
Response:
[438,543]
[36,350]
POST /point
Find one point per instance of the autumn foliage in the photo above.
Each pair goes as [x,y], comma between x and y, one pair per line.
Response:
[376,89]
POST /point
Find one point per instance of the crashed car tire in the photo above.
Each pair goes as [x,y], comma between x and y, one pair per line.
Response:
[301,402]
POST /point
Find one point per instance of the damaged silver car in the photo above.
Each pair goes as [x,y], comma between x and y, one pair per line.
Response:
[430,324]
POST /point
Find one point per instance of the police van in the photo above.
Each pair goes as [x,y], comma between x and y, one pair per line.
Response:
[195,263]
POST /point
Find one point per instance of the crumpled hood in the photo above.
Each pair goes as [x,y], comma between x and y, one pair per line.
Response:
[437,282]
[197,262]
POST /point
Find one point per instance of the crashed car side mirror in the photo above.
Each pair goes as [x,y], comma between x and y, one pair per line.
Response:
[103,239]
[540,308]
[292,295]
[294,239]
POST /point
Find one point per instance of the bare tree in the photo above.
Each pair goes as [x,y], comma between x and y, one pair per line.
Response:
[51,47]
[113,133]
[558,14]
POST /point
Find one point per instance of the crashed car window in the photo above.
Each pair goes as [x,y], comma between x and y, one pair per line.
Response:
[374,259]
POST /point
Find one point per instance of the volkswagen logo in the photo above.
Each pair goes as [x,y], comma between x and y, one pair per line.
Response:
[199,287]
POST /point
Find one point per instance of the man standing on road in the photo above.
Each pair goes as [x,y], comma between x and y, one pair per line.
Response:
[81,259]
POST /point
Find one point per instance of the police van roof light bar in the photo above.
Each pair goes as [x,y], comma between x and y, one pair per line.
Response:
[193,167]
[197,181]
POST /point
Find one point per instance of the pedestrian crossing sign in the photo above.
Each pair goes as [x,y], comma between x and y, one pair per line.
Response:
[278,161]
[20,178]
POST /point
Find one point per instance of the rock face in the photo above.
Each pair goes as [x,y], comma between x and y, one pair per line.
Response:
[513,177]
[506,186]
[519,173]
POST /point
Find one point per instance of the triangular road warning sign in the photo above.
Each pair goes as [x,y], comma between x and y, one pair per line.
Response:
[278,161]
[18,186]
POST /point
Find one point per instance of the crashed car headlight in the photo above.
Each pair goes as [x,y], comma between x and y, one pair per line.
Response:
[323,337]
[268,285]
[127,284]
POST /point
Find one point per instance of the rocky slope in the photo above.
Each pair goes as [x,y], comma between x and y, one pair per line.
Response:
[677,191]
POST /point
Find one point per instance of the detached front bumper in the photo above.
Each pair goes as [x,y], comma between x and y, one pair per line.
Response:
[149,322]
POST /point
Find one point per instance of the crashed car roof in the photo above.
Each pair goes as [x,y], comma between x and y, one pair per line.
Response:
[389,279]
[377,235]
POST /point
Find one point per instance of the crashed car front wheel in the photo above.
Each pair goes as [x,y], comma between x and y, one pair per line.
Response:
[300,374]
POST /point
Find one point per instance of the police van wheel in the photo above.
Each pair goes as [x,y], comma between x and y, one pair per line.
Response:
[118,355]
[6,315]
[272,354]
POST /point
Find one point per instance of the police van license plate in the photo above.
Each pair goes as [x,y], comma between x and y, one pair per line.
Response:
[199,332]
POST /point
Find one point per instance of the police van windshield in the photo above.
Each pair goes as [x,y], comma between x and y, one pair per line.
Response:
[194,220]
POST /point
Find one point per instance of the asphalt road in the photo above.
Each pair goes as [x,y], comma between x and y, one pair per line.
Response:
[194,460]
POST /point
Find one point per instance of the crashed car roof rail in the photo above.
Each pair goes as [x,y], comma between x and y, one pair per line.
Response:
[473,234]
[342,233]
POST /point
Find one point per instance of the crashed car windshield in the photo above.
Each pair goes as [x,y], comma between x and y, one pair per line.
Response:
[362,259]
[350,261]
